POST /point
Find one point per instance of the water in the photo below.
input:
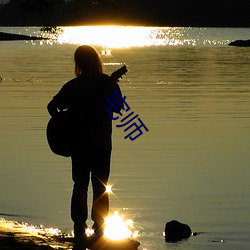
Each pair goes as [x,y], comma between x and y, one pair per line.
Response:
[193,163]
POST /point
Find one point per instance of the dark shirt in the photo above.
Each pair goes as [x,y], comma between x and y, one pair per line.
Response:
[84,97]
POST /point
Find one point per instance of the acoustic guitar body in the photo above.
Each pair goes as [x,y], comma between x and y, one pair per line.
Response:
[59,133]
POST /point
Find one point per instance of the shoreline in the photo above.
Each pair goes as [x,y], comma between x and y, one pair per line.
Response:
[17,37]
[15,235]
[18,235]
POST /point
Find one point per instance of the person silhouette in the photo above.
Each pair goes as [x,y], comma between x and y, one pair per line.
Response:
[84,96]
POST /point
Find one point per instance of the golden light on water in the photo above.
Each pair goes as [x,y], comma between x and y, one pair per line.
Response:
[25,228]
[116,228]
[106,36]
[109,37]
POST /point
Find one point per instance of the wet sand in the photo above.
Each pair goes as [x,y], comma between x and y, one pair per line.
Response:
[12,241]
[15,235]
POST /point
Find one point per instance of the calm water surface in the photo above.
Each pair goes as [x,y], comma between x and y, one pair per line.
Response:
[193,163]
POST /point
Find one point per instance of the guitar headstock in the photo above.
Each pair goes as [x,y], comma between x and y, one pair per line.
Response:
[119,73]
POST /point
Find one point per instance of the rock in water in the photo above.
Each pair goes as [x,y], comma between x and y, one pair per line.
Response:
[176,231]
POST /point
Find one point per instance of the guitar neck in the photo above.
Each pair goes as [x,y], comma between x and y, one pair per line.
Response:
[119,73]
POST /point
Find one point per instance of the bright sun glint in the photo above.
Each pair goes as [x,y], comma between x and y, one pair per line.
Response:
[118,229]
[109,189]
[106,36]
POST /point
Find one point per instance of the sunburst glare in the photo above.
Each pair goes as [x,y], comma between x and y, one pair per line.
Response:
[109,189]
[116,228]
[89,232]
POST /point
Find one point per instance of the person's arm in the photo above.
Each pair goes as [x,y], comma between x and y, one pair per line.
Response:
[61,100]
[52,108]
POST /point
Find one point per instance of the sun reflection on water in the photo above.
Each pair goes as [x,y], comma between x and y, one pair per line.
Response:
[128,36]
[107,36]
[116,228]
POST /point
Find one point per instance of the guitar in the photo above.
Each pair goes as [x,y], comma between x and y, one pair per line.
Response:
[60,127]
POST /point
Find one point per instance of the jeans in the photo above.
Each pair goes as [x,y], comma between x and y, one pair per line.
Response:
[91,162]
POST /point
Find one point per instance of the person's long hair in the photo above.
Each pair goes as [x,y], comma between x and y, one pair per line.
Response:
[87,60]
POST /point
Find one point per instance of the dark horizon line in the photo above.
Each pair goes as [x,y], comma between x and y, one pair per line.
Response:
[124,25]
[110,22]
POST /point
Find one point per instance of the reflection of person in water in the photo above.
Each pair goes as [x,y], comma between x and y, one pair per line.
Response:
[85,96]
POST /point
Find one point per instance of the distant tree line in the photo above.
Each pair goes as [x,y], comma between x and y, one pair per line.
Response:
[126,12]
[61,12]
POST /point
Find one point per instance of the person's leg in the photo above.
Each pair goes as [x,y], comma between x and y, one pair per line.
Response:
[99,178]
[79,207]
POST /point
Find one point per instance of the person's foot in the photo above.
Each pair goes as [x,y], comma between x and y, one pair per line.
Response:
[81,242]
[80,230]
[80,237]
